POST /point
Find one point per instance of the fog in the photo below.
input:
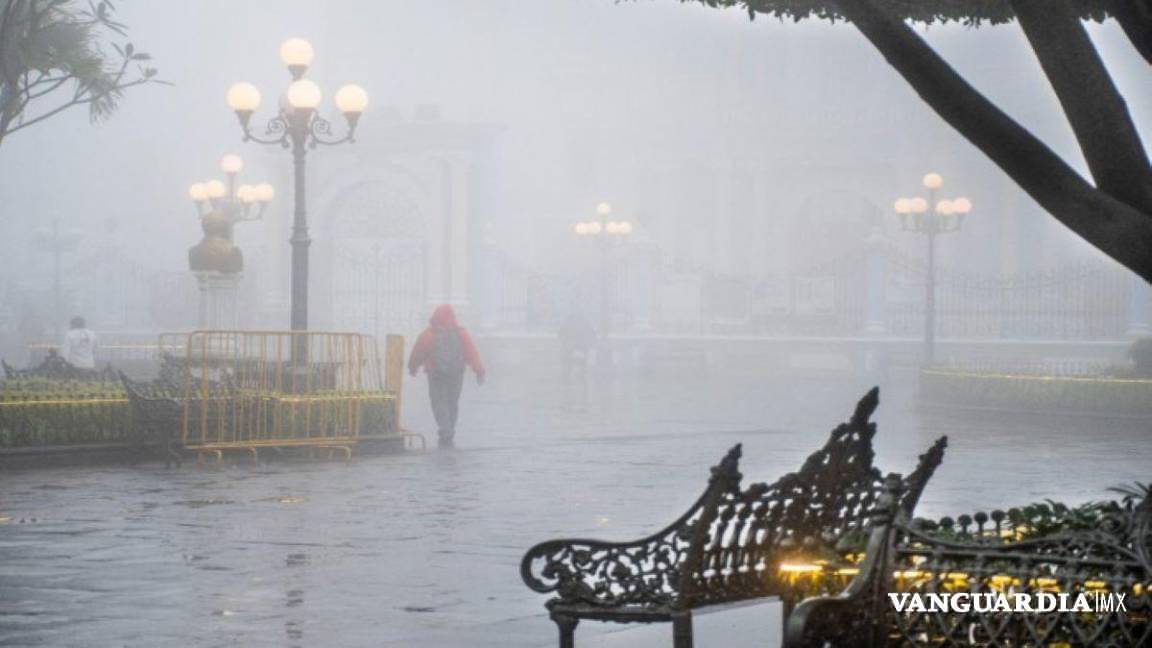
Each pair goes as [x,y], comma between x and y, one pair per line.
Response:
[765,283]
[726,141]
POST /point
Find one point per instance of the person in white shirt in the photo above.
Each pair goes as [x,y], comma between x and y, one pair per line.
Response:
[80,345]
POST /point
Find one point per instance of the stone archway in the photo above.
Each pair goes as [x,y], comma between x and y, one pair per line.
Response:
[378,258]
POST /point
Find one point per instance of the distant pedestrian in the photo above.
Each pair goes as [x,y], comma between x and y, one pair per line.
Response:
[80,345]
[577,338]
[445,349]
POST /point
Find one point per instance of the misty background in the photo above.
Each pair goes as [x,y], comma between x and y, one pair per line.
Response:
[739,149]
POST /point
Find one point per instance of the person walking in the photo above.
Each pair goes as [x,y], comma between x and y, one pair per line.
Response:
[80,345]
[445,350]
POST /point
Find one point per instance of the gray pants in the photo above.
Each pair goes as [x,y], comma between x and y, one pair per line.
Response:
[444,392]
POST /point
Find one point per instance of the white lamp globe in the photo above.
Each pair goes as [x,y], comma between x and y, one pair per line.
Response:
[944,208]
[296,52]
[264,192]
[903,206]
[625,227]
[612,227]
[581,228]
[198,191]
[243,97]
[918,205]
[351,99]
[594,227]
[231,163]
[933,181]
[304,94]
[962,205]
[215,189]
[604,209]
[246,193]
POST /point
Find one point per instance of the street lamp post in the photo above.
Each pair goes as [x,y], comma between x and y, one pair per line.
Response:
[931,218]
[216,261]
[298,126]
[601,229]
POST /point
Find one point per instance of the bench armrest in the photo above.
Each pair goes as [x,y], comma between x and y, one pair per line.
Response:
[608,574]
[852,616]
[641,572]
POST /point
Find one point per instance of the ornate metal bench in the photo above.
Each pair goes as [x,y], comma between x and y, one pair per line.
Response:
[983,555]
[156,417]
[54,367]
[729,545]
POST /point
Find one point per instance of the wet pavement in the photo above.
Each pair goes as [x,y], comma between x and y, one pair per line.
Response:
[424,549]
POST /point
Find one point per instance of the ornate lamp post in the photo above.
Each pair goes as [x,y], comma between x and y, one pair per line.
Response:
[931,217]
[215,260]
[602,230]
[236,202]
[298,126]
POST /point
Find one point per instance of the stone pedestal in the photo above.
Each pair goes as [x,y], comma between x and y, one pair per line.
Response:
[218,301]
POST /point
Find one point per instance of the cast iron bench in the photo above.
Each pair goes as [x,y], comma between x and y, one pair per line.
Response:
[983,555]
[156,417]
[157,407]
[729,545]
[54,367]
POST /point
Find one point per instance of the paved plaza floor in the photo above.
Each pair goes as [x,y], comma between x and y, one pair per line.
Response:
[424,549]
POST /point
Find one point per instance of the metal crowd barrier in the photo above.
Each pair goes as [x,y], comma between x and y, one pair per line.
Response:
[275,389]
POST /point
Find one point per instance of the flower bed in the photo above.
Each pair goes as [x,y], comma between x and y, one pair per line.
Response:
[39,412]
[1037,393]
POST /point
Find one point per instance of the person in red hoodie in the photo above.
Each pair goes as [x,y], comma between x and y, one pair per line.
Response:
[445,350]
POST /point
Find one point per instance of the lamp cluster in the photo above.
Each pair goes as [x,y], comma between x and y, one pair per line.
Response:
[931,215]
[235,201]
[298,119]
[603,225]
[594,228]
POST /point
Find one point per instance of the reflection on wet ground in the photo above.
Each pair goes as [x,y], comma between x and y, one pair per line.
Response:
[398,549]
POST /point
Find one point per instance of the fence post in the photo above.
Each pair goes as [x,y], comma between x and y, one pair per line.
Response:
[875,317]
[1138,307]
[394,370]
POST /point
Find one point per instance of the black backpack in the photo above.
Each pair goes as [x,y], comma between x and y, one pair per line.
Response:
[448,353]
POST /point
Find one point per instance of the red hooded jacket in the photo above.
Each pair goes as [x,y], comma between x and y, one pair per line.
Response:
[443,318]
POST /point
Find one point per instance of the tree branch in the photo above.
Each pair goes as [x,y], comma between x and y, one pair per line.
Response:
[1094,107]
[1114,227]
[77,100]
[1135,18]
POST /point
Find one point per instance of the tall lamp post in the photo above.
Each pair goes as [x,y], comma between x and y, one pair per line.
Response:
[298,126]
[602,230]
[931,218]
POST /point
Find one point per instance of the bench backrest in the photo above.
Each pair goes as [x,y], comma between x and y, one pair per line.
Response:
[824,508]
[54,367]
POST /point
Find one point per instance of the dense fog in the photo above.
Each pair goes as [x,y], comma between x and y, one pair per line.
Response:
[665,230]
[752,150]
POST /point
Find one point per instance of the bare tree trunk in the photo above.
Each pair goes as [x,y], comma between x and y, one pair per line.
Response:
[1094,107]
[1117,229]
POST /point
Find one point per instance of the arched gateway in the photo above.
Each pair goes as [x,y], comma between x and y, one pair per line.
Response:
[378,257]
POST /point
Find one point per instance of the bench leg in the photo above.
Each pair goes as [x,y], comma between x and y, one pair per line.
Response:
[682,630]
[787,604]
[567,627]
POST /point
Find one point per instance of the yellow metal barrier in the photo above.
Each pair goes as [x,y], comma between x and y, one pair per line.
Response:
[254,389]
